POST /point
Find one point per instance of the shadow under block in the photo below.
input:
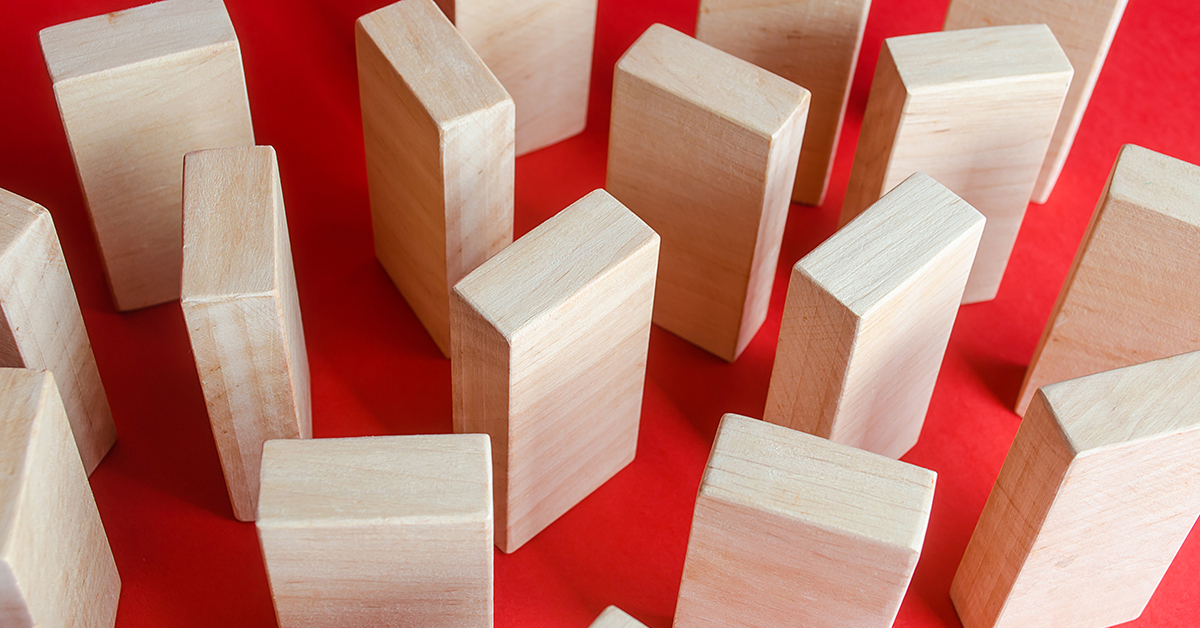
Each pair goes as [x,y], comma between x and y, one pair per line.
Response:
[383,531]
[438,129]
[242,310]
[813,43]
[868,316]
[1096,496]
[138,89]
[704,148]
[56,568]
[794,530]
[975,110]
[613,617]
[549,358]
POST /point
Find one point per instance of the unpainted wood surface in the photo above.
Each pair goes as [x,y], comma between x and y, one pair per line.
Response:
[613,617]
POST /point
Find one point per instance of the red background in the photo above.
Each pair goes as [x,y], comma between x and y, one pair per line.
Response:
[185,562]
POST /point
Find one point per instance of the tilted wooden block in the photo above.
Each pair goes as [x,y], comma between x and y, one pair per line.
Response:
[384,531]
[613,617]
[704,148]
[137,89]
[868,316]
[549,358]
[438,129]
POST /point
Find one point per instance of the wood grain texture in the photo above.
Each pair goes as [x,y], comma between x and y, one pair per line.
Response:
[613,617]
[704,148]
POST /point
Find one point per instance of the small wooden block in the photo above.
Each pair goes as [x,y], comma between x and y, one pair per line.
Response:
[974,109]
[438,129]
[56,568]
[1096,496]
[549,358]
[613,617]
[384,531]
[794,530]
[136,90]
[868,316]
[704,149]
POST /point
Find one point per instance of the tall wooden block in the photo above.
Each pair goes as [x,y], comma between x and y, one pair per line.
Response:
[549,358]
[242,311]
[384,531]
[795,530]
[137,89]
[704,148]
[974,109]
[438,129]
[1096,496]
[56,568]
[613,617]
[868,316]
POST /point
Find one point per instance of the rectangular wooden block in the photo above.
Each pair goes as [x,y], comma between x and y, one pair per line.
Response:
[704,148]
[549,358]
[613,617]
[137,89]
[868,316]
[438,129]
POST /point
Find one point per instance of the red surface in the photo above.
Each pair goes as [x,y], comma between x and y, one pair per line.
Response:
[185,562]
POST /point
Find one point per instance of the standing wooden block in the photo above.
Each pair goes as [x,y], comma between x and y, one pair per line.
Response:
[56,568]
[549,358]
[795,530]
[385,531]
[704,149]
[974,109]
[138,89]
[438,129]
[242,311]
[868,316]
[613,617]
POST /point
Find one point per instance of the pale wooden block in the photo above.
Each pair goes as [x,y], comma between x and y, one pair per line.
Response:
[794,530]
[974,109]
[137,89]
[384,531]
[438,129]
[704,148]
[1096,496]
[613,617]
[56,568]
[549,358]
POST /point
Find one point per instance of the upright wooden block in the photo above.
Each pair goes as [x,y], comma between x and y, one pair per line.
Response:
[438,130]
[613,617]
[1094,500]
[795,530]
[384,531]
[974,109]
[137,89]
[56,568]
[868,316]
[549,358]
[704,149]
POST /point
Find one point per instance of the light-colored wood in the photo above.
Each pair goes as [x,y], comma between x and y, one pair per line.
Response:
[56,568]
[812,43]
[549,358]
[613,617]
[438,129]
[137,89]
[383,531]
[868,316]
[794,530]
[1096,496]
[242,310]
[975,110]
[704,148]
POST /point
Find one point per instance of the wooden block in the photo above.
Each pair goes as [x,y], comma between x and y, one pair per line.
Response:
[813,43]
[613,617]
[56,568]
[549,358]
[794,530]
[137,89]
[868,316]
[438,129]
[704,148]
[1096,496]
[384,531]
[974,109]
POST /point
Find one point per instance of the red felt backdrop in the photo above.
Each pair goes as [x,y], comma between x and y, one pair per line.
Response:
[185,562]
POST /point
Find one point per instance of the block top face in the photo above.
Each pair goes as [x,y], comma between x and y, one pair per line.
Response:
[17,214]
[999,53]
[613,617]
[1158,183]
[23,392]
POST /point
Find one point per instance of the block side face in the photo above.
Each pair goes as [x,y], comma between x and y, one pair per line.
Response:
[23,392]
[13,609]
[294,346]
[880,126]
[997,53]
[1159,183]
